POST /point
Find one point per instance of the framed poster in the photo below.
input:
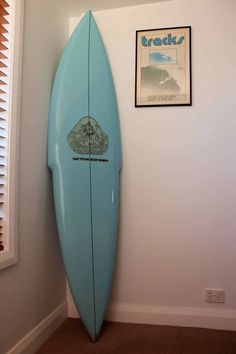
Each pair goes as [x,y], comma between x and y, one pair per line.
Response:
[163,67]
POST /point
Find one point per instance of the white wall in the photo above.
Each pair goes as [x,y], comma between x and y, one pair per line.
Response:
[178,183]
[76,7]
[33,288]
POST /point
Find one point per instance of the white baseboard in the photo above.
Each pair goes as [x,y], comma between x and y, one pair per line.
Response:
[72,311]
[38,335]
[224,319]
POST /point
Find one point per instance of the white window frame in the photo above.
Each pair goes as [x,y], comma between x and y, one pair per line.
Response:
[9,256]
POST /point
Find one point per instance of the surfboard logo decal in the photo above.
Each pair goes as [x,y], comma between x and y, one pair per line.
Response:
[88,138]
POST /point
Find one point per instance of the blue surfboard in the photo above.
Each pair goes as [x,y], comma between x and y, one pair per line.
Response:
[84,155]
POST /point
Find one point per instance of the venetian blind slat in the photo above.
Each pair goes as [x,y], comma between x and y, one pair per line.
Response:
[3,21]
[2,28]
[3,11]
[4,3]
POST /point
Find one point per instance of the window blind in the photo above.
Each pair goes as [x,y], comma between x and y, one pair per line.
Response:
[5,32]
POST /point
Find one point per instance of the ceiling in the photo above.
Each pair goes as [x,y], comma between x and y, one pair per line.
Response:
[80,6]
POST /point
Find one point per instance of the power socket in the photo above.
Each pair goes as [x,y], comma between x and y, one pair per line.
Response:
[214,295]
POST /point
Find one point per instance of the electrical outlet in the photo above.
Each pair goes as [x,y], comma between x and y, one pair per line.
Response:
[214,295]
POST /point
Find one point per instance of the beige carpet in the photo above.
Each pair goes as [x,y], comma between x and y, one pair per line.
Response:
[123,338]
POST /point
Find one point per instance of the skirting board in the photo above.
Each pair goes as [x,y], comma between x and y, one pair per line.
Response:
[38,335]
[224,319]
